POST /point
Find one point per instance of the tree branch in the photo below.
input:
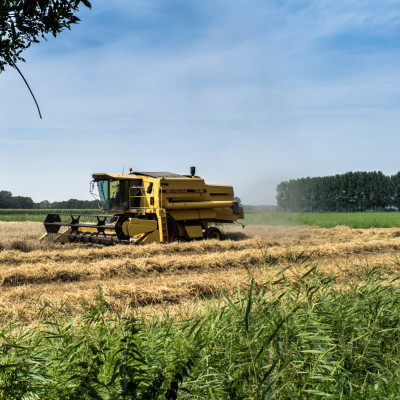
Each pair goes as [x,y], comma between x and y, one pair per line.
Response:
[26,83]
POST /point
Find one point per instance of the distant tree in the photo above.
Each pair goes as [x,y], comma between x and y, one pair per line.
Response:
[75,204]
[282,195]
[352,191]
[5,198]
[23,22]
[21,202]
[395,185]
[43,205]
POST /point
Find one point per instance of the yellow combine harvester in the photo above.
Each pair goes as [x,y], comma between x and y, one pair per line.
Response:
[149,207]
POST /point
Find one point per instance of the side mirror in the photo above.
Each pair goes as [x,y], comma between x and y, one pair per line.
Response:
[91,187]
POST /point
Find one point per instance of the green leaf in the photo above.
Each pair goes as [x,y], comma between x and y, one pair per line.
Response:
[249,305]
[86,3]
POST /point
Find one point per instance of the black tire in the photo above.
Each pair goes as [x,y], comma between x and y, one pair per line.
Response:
[172,229]
[118,227]
[213,233]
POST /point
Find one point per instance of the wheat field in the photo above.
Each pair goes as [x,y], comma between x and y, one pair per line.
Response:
[160,278]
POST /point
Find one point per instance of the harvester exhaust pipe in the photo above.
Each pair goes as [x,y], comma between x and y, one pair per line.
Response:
[192,171]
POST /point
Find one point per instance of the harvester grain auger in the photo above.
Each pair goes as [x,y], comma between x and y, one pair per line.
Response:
[147,207]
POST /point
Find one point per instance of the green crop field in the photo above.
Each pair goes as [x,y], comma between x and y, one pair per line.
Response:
[252,217]
[37,215]
[323,220]
[272,217]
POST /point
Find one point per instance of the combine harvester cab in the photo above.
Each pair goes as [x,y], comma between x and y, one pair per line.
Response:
[147,207]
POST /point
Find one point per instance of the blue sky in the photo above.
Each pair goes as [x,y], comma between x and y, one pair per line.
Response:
[250,92]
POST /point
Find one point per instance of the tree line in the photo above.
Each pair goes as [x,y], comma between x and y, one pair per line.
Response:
[352,191]
[8,201]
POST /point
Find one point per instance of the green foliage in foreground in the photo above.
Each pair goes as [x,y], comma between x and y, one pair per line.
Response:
[324,220]
[277,340]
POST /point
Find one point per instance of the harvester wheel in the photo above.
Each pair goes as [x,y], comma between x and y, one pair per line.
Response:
[118,227]
[213,233]
[173,230]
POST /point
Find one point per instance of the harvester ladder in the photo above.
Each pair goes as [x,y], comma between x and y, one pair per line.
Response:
[162,224]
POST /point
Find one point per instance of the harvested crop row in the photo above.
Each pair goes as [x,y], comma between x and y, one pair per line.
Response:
[89,253]
[152,292]
[158,276]
[55,271]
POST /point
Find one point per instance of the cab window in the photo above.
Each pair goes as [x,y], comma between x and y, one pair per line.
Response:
[102,187]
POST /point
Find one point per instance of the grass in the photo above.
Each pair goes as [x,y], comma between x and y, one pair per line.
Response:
[277,339]
[323,220]
[252,217]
